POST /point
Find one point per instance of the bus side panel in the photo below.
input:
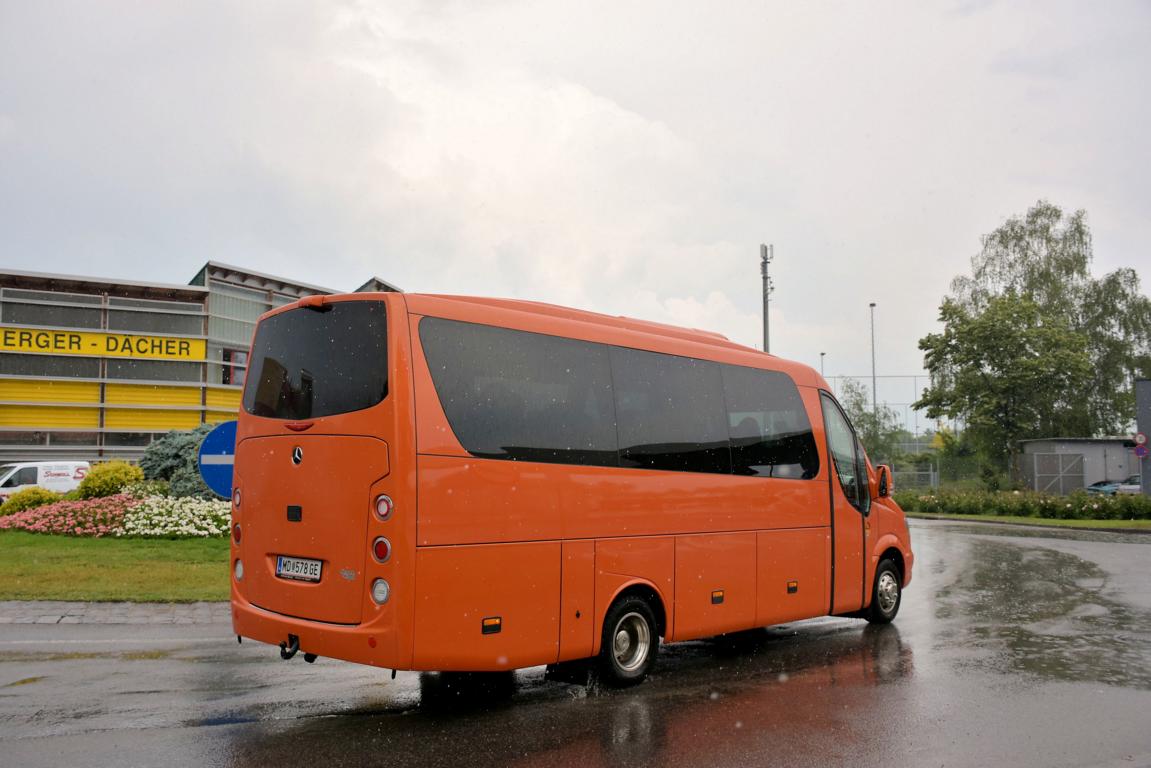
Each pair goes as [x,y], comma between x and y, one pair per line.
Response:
[478,501]
[793,575]
[577,602]
[714,584]
[620,562]
[459,587]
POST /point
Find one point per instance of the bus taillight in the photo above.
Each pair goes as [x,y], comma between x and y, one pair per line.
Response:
[382,550]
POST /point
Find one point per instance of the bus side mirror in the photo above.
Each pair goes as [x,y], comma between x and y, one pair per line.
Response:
[883,486]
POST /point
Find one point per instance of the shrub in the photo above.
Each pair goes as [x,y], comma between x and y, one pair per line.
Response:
[164,516]
[94,517]
[27,499]
[1077,506]
[146,488]
[174,458]
[108,479]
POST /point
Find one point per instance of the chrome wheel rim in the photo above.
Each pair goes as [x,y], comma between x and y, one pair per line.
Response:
[631,642]
[888,592]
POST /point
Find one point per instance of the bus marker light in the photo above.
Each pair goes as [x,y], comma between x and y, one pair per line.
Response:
[236,498]
[382,550]
[384,507]
[236,533]
[792,587]
[239,570]
[717,597]
[380,591]
[491,625]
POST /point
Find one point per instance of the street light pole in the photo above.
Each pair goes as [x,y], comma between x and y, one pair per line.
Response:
[874,409]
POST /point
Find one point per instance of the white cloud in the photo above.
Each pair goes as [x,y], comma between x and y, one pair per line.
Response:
[624,159]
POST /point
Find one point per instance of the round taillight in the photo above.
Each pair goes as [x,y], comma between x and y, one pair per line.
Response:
[236,498]
[380,591]
[384,506]
[236,533]
[381,550]
[239,570]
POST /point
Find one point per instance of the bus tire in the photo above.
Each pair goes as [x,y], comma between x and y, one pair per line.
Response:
[886,593]
[630,642]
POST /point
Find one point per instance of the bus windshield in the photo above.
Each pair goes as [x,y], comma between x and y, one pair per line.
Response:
[312,362]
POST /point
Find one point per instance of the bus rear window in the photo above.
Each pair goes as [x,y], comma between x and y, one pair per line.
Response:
[310,362]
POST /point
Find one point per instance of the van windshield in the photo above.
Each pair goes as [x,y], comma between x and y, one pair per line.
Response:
[312,362]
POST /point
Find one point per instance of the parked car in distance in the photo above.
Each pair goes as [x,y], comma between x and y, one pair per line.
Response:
[1132,486]
[59,476]
[1103,488]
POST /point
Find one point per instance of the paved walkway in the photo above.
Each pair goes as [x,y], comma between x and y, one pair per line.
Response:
[60,612]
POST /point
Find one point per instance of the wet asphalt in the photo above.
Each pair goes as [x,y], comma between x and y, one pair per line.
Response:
[1013,647]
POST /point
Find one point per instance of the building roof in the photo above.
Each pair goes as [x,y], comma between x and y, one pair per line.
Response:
[255,279]
[114,287]
[378,285]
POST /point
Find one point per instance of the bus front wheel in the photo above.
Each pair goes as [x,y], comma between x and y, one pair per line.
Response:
[630,642]
[886,593]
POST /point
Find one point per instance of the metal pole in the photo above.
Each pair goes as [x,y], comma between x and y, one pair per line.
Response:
[766,253]
[874,409]
[821,356]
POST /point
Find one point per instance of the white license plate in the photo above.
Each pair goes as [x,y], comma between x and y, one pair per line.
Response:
[298,568]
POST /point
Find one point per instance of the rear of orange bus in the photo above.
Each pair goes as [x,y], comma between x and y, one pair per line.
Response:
[323,535]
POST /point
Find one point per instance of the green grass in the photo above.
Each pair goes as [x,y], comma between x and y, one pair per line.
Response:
[37,566]
[1113,525]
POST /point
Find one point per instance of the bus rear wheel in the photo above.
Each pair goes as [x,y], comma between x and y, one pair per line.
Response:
[630,642]
[886,593]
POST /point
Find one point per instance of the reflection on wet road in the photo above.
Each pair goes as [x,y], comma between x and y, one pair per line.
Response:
[1013,647]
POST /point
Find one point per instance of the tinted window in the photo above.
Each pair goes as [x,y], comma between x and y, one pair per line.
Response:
[769,429]
[517,395]
[846,454]
[25,476]
[670,412]
[308,363]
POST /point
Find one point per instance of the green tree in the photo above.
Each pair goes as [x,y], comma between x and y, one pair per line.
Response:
[879,428]
[1008,371]
[174,457]
[1045,257]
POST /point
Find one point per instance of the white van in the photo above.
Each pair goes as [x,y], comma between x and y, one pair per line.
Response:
[59,476]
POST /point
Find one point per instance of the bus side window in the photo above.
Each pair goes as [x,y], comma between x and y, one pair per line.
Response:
[846,454]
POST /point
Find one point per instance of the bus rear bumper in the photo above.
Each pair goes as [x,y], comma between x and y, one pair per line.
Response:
[363,644]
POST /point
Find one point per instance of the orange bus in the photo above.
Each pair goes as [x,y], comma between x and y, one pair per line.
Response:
[465,484]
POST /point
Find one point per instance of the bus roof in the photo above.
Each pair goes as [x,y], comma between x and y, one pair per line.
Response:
[432,304]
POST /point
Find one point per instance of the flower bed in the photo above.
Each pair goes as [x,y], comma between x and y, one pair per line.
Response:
[126,515]
[169,517]
[93,517]
[1077,506]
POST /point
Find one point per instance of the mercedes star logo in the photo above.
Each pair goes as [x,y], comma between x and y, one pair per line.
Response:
[297,455]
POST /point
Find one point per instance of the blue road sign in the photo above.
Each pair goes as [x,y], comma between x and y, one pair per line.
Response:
[218,457]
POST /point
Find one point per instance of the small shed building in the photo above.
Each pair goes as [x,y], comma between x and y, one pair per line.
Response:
[1065,464]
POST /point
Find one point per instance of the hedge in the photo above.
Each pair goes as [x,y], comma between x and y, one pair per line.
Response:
[1077,506]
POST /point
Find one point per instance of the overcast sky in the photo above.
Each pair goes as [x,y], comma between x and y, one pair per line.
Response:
[626,158]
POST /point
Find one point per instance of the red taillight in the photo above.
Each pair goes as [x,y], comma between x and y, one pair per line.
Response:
[236,533]
[384,507]
[381,549]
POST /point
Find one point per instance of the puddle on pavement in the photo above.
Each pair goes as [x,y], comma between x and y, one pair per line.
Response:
[1044,612]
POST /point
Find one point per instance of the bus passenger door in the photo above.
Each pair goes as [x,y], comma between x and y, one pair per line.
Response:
[850,504]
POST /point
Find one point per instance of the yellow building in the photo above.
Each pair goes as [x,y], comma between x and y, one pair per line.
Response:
[94,368]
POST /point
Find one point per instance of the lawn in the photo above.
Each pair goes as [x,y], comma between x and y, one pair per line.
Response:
[42,567]
[1111,525]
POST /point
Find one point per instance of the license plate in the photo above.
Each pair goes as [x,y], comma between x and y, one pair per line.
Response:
[298,568]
